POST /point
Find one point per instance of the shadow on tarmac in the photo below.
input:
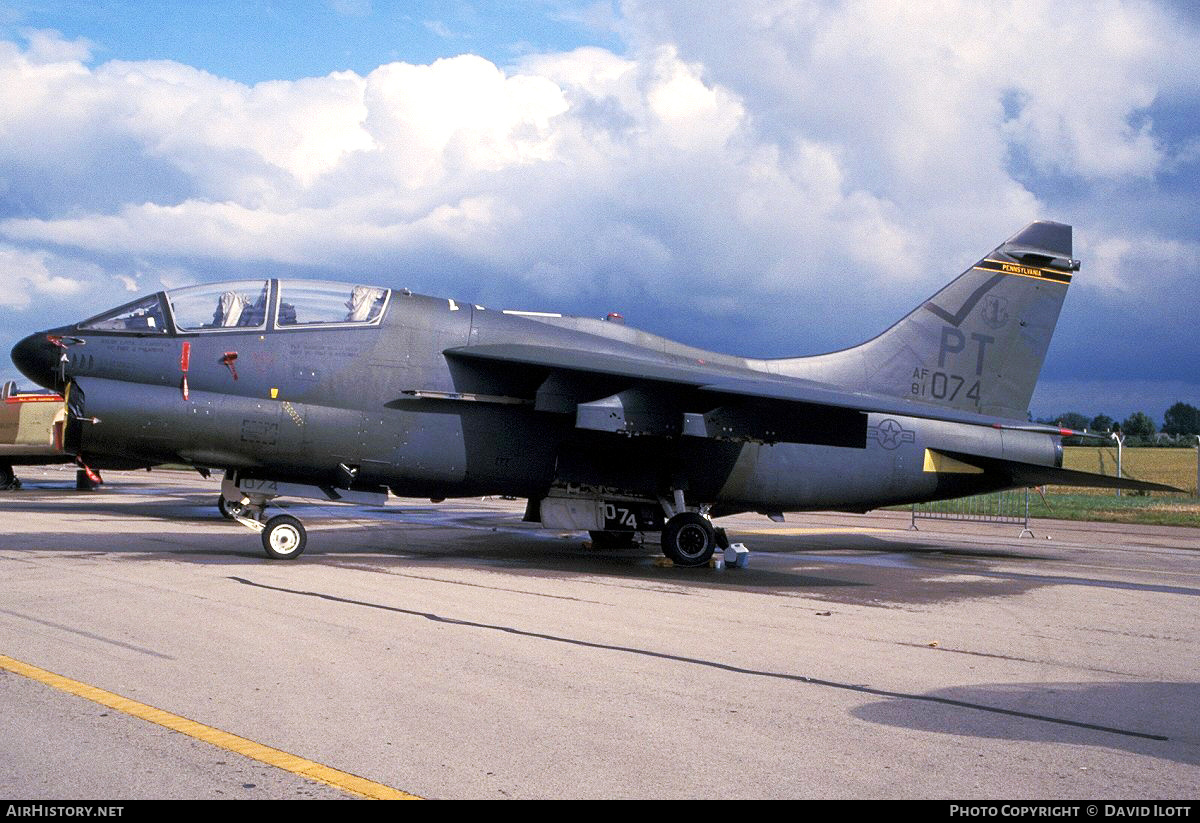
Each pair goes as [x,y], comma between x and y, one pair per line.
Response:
[841,566]
[1151,718]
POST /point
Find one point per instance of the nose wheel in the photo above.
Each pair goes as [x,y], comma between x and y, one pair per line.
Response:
[283,537]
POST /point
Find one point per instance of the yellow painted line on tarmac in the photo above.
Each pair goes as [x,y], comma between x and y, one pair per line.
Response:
[230,742]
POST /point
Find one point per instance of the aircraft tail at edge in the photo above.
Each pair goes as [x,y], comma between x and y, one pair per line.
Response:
[978,344]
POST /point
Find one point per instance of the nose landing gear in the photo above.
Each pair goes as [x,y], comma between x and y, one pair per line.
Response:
[244,500]
[283,536]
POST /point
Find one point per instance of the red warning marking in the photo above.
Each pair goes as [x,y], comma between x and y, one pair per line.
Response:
[33,398]
[92,474]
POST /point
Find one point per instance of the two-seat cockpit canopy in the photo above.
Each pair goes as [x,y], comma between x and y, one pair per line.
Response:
[246,305]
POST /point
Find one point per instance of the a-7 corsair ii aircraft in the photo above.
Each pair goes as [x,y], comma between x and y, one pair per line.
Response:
[346,389]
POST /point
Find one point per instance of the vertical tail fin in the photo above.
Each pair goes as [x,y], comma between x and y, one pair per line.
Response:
[976,345]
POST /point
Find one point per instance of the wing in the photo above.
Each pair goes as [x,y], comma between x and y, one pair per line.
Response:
[718,383]
[676,396]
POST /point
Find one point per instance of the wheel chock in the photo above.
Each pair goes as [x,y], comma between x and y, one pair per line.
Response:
[737,556]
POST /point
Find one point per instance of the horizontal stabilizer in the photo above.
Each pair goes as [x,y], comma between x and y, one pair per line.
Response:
[1051,239]
[1031,474]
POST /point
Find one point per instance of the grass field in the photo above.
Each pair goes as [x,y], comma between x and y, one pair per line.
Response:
[1164,510]
[1174,467]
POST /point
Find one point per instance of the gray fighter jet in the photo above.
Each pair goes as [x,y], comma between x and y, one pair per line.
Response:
[346,391]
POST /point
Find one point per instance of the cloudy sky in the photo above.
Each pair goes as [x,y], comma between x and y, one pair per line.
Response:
[769,177]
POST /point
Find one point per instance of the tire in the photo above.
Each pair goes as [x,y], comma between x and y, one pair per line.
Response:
[8,478]
[283,537]
[689,539]
[228,510]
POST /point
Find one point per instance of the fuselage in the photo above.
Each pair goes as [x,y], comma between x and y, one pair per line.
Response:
[351,386]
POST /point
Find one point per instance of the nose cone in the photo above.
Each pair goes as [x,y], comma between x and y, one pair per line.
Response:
[37,358]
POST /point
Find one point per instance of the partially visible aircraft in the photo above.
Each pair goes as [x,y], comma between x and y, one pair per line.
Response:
[31,427]
[347,391]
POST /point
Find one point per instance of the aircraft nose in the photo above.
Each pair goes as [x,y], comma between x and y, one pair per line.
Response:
[36,357]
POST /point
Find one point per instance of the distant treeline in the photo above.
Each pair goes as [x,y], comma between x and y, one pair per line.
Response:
[1180,424]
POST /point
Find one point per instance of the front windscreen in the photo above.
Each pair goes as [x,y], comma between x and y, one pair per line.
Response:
[234,304]
[145,316]
[307,303]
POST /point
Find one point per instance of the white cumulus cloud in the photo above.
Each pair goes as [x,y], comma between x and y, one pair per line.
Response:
[775,154]
[28,277]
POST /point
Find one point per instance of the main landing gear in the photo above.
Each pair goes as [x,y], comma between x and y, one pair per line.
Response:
[228,510]
[689,537]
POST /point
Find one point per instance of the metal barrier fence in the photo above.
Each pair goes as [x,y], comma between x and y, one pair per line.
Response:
[1001,507]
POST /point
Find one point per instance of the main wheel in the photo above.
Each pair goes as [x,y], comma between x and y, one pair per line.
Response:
[283,537]
[689,539]
[228,510]
[8,478]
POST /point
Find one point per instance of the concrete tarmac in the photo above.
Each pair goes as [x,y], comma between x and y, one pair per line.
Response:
[451,651]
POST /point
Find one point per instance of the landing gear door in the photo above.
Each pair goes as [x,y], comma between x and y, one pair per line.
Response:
[591,514]
[633,517]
